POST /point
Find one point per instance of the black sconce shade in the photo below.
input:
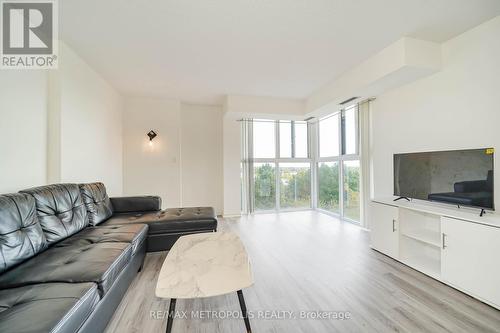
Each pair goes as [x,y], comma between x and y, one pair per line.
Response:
[152,134]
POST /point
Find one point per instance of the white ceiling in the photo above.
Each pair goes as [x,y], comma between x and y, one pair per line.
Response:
[198,51]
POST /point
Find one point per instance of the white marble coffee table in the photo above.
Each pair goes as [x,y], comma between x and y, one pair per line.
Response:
[205,265]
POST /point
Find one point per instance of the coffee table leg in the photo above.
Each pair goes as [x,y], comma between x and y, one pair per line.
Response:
[244,311]
[171,314]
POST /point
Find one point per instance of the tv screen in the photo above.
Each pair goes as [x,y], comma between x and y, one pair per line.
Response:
[459,177]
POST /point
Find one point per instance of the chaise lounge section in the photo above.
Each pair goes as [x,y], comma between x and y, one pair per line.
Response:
[65,262]
[165,226]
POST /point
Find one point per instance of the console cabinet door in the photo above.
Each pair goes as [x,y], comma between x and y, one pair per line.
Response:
[469,258]
[384,229]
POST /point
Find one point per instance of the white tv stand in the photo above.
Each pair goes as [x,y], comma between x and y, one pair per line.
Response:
[453,245]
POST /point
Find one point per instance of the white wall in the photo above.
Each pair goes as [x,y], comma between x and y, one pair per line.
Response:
[91,125]
[231,164]
[155,169]
[455,108]
[184,163]
[60,125]
[201,156]
[23,129]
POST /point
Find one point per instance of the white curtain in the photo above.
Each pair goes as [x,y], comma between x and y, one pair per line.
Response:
[365,156]
[246,167]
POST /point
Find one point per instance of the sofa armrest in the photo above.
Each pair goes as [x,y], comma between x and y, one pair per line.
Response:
[136,204]
[471,186]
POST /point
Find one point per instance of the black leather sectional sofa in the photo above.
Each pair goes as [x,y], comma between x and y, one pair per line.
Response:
[68,253]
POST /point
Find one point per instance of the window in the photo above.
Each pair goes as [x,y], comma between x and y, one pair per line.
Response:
[293,139]
[286,139]
[328,189]
[264,139]
[329,136]
[301,140]
[280,167]
[338,167]
[295,185]
[350,131]
[264,186]
[351,190]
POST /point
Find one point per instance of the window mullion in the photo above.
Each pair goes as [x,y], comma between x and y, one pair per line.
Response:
[342,133]
[277,186]
[251,180]
[277,155]
[341,166]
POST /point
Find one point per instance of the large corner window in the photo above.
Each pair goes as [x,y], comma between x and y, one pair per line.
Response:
[279,164]
[282,172]
[338,165]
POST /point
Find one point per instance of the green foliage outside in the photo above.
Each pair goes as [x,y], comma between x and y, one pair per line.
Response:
[351,188]
[265,187]
[328,190]
[295,188]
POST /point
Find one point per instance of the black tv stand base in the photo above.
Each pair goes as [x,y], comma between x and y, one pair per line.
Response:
[482,213]
[397,199]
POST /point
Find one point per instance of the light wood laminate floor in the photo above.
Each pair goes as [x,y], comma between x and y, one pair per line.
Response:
[309,261]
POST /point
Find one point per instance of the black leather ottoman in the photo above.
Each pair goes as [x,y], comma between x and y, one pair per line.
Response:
[166,226]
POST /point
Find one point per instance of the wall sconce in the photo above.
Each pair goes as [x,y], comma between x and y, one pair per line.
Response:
[151,134]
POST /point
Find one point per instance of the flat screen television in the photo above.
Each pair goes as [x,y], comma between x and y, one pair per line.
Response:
[459,177]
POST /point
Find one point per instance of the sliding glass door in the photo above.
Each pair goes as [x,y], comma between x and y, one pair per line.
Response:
[338,166]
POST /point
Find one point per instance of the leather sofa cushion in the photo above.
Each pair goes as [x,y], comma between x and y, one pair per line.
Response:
[96,200]
[21,235]
[144,203]
[99,263]
[60,210]
[48,307]
[170,220]
[132,233]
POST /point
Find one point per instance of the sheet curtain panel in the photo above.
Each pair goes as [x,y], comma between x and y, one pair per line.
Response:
[246,167]
[364,114]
